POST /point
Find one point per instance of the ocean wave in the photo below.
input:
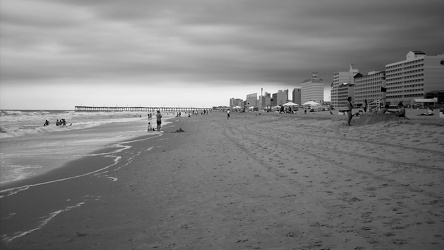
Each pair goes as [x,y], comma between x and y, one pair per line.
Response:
[22,113]
[20,123]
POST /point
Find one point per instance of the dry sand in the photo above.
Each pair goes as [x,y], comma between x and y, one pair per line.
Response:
[260,182]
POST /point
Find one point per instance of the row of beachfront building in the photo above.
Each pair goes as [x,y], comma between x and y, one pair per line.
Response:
[417,79]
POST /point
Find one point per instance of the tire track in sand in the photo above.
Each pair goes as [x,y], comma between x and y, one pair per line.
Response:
[351,154]
[347,224]
[425,211]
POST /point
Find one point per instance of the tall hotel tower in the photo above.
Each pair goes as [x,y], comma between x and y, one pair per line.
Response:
[342,81]
[296,96]
[312,89]
[414,78]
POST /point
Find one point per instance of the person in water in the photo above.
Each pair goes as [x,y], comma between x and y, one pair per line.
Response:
[46,123]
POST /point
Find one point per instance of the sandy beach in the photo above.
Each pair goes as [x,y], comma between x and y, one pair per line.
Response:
[267,181]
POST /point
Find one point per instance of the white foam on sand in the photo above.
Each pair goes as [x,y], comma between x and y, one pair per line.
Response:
[119,148]
[41,224]
[34,154]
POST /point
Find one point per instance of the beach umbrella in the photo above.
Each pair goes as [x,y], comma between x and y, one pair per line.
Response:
[291,104]
[311,103]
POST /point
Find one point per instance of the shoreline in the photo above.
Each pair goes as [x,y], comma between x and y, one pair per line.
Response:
[34,154]
[253,181]
[54,191]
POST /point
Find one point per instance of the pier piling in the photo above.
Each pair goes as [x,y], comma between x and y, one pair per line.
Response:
[138,109]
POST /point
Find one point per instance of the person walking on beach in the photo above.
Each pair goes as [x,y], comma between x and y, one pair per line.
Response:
[349,110]
[159,120]
[228,114]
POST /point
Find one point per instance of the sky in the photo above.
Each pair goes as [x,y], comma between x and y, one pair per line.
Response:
[56,54]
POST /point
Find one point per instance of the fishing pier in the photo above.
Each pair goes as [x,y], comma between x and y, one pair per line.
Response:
[138,109]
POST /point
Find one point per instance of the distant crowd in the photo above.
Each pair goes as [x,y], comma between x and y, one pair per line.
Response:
[178,114]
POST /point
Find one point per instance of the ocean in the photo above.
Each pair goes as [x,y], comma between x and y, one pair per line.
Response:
[28,148]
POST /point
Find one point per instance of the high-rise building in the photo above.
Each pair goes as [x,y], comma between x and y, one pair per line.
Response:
[368,87]
[342,86]
[261,102]
[296,96]
[267,100]
[274,100]
[236,102]
[282,97]
[251,100]
[312,89]
[264,100]
[414,78]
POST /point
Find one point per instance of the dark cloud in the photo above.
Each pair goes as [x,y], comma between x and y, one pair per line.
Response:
[246,41]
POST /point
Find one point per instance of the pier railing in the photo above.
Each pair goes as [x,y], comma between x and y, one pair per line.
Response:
[138,109]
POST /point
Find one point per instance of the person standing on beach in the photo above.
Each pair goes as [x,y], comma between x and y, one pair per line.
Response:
[159,120]
[349,110]
[228,114]
[365,105]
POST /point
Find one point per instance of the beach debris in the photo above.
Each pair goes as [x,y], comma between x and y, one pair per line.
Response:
[80,234]
[179,130]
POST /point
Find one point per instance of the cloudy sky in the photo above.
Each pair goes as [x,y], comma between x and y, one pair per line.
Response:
[55,54]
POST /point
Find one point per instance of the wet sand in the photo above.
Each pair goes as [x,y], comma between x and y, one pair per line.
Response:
[253,182]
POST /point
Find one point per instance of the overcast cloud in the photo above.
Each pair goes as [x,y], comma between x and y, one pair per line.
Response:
[60,53]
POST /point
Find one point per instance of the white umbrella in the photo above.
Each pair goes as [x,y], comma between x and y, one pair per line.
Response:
[291,104]
[312,103]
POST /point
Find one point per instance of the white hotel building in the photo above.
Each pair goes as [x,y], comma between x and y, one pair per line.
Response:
[368,87]
[312,89]
[414,77]
[343,86]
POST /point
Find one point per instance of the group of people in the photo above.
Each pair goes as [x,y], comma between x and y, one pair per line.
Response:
[158,121]
[400,112]
[62,122]
[428,113]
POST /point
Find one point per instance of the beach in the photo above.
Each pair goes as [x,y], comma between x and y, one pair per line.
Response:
[254,181]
